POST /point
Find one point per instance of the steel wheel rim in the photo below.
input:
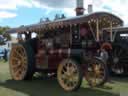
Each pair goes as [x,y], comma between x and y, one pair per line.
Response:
[95,74]
[68,75]
[18,62]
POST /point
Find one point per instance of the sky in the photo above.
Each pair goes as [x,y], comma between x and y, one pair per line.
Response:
[15,13]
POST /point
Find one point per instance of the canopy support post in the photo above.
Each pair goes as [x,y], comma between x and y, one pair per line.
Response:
[39,33]
[92,30]
[111,31]
[97,30]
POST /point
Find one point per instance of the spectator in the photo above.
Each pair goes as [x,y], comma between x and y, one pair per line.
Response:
[5,55]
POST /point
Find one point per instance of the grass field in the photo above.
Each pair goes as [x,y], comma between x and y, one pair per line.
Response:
[50,87]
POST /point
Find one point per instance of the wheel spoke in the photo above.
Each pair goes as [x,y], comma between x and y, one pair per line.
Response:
[18,54]
[119,52]
[17,71]
[115,52]
[75,78]
[123,59]
[15,58]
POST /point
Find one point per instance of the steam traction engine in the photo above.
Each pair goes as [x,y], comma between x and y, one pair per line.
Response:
[66,47]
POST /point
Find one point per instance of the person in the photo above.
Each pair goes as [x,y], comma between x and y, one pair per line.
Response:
[5,55]
[19,37]
[104,55]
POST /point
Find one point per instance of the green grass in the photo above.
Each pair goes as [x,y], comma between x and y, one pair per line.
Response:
[50,87]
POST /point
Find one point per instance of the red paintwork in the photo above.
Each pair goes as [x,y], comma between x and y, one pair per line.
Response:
[51,56]
[55,56]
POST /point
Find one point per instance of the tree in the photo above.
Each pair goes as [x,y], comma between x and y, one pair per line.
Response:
[57,17]
[4,37]
[63,16]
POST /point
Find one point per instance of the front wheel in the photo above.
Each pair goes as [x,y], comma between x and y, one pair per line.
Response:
[96,72]
[69,75]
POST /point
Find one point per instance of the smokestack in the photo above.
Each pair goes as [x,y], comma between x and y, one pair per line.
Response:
[80,7]
[90,8]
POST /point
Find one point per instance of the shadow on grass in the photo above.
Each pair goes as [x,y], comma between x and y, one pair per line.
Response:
[49,87]
[123,79]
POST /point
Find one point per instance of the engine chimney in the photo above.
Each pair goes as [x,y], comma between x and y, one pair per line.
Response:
[80,7]
[90,8]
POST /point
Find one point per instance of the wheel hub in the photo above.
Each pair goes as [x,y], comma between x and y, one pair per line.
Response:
[115,60]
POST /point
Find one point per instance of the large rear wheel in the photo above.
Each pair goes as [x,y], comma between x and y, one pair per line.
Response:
[21,62]
[69,75]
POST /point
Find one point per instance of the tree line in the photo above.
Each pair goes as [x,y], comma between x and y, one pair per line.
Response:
[4,36]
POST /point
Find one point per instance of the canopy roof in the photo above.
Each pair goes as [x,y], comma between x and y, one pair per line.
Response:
[69,22]
[120,29]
